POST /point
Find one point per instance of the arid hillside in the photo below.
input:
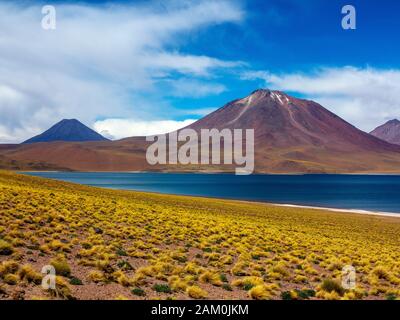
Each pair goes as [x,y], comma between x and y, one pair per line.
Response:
[107,244]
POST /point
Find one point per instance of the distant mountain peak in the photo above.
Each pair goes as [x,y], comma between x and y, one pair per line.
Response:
[69,130]
[389,132]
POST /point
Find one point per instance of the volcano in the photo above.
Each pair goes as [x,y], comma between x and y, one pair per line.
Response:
[281,121]
[300,135]
[67,130]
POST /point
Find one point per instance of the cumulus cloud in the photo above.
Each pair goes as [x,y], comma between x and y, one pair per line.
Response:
[365,97]
[121,128]
[101,62]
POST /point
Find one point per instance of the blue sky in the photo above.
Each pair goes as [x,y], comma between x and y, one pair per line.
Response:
[301,36]
[132,67]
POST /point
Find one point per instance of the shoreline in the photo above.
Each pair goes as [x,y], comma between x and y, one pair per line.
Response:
[339,210]
[223,172]
[287,205]
[351,211]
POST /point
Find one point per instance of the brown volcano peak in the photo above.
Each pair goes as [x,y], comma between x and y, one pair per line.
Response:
[280,120]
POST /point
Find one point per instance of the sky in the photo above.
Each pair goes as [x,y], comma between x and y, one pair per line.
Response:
[129,68]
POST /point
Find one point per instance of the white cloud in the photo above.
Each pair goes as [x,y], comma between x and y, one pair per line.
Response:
[188,64]
[184,87]
[365,97]
[101,62]
[121,128]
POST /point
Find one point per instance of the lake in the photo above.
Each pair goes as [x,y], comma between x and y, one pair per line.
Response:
[365,192]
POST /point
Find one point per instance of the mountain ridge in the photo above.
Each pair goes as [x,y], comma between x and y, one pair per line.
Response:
[292,135]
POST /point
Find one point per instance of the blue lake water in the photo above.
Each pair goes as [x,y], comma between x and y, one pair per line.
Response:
[366,192]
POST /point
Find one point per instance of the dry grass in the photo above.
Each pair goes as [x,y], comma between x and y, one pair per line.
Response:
[134,245]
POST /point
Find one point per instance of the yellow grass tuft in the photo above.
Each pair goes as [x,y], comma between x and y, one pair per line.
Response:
[27,273]
[196,292]
[260,292]
[6,248]
[177,284]
[61,266]
[248,282]
[11,279]
[211,277]
[97,276]
[61,291]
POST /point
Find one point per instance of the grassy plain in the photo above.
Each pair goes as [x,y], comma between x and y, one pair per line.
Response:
[107,244]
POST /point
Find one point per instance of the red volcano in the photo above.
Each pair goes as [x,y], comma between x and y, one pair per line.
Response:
[281,121]
[300,135]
